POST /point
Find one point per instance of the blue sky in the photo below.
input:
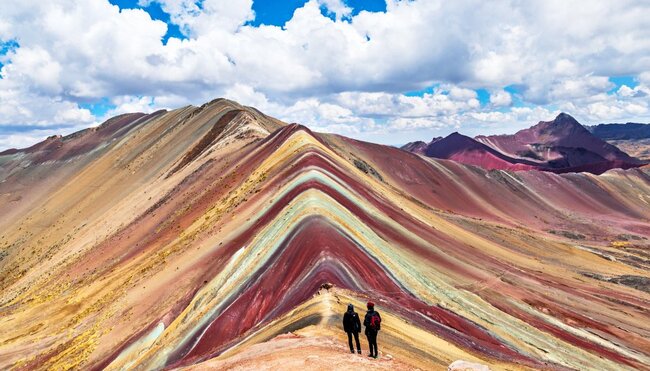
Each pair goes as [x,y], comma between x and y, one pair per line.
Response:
[267,12]
[387,71]
[7,47]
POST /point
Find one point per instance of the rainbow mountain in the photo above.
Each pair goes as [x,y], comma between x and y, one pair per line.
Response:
[219,237]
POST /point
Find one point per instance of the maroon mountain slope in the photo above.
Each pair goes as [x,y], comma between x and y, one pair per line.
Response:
[561,145]
[464,149]
[418,147]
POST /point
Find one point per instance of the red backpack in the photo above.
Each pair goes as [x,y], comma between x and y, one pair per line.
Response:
[375,321]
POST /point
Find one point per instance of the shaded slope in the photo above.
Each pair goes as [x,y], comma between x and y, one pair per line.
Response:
[631,138]
[626,131]
[246,229]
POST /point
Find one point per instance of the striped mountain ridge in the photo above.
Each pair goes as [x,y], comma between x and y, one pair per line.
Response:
[190,237]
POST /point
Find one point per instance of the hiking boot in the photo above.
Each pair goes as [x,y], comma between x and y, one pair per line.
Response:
[358,351]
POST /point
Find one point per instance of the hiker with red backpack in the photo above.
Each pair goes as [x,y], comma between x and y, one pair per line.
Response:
[372,321]
[352,326]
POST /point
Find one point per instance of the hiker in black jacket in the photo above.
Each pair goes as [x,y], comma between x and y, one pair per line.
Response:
[372,321]
[352,325]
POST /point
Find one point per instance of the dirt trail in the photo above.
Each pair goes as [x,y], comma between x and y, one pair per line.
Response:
[295,352]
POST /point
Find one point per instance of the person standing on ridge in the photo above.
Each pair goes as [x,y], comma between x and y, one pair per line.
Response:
[372,321]
[352,326]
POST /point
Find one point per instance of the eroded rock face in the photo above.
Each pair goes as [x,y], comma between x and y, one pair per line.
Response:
[363,166]
[635,282]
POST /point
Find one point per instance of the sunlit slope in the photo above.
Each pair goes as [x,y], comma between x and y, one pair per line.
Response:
[204,231]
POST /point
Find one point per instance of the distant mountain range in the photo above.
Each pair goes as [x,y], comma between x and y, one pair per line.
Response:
[562,145]
[627,131]
[632,138]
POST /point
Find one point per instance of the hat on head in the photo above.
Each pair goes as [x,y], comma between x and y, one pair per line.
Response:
[370,305]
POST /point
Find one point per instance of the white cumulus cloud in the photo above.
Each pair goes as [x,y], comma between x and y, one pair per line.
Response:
[346,74]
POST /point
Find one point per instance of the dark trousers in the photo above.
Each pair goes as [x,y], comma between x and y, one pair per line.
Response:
[372,342]
[356,339]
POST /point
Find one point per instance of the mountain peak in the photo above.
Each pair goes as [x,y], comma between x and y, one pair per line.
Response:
[565,119]
[564,116]
[559,145]
[458,136]
[562,126]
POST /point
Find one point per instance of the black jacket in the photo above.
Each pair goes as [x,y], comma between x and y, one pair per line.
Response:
[366,321]
[351,322]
